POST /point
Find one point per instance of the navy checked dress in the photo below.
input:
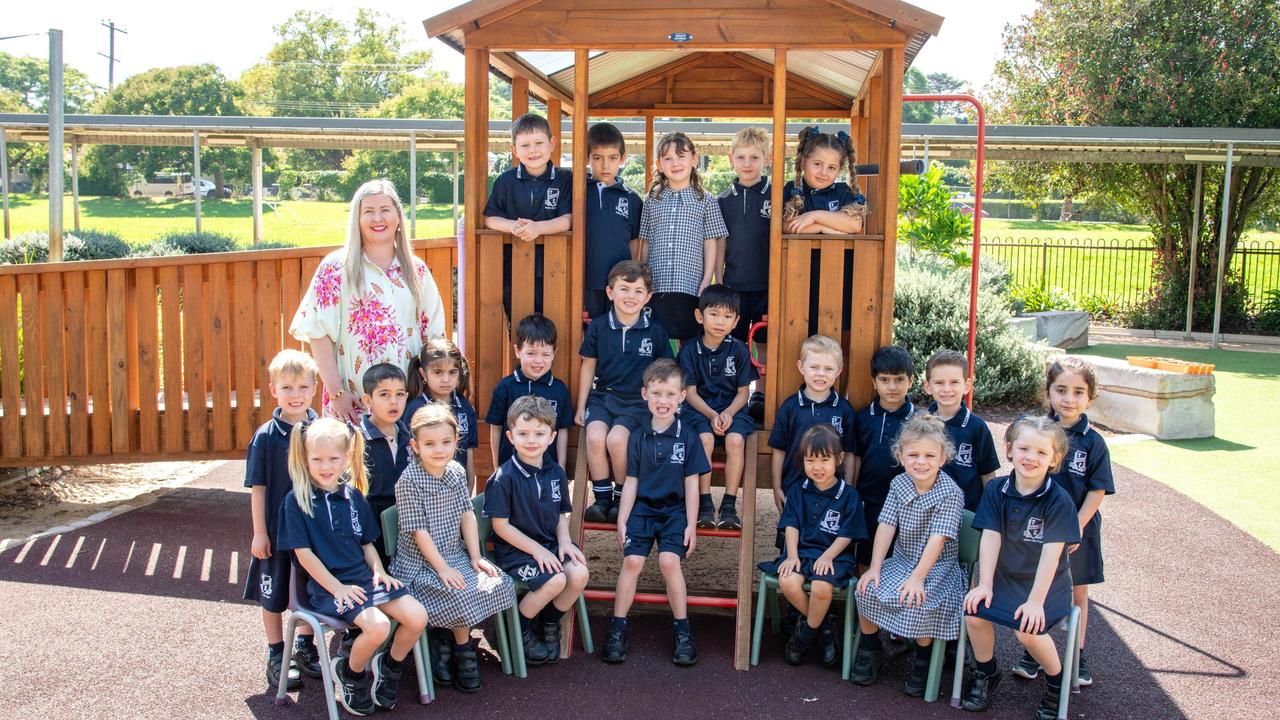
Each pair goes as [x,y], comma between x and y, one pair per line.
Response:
[918,517]
[436,504]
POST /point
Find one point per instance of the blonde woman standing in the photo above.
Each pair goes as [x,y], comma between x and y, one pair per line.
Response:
[362,306]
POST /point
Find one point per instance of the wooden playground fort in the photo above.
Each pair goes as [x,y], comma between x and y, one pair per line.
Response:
[768,59]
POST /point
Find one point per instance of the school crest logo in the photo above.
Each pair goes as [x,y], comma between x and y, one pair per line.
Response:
[837,422]
[555,492]
[766,208]
[355,521]
[264,586]
[1079,462]
[555,406]
[646,347]
[464,424]
[527,572]
[1034,531]
[964,455]
[623,207]
[830,522]
[833,205]
[730,368]
[677,453]
[553,199]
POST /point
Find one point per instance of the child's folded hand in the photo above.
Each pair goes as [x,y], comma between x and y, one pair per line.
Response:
[977,596]
[481,565]
[1032,616]
[570,553]
[788,566]
[580,418]
[349,596]
[453,579]
[386,581]
[547,562]
[260,547]
[869,579]
[911,593]
[823,566]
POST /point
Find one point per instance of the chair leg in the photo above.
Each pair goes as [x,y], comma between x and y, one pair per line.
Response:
[504,644]
[326,672]
[515,642]
[850,617]
[291,628]
[934,682]
[958,676]
[757,623]
[1070,656]
[427,679]
[588,644]
[775,608]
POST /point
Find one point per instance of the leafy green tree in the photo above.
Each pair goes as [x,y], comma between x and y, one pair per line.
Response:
[915,82]
[28,78]
[926,220]
[1162,63]
[183,90]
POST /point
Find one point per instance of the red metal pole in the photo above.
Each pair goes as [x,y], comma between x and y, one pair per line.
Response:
[979,159]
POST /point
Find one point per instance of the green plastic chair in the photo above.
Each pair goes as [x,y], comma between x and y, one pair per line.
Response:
[509,621]
[970,539]
[390,539]
[767,601]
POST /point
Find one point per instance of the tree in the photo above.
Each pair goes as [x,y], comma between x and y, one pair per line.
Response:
[28,79]
[1163,63]
[184,90]
[914,81]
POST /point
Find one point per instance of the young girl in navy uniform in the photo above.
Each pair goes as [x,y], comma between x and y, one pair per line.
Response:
[438,553]
[1027,521]
[821,520]
[916,593]
[1071,385]
[441,374]
[329,526]
[818,202]
[681,229]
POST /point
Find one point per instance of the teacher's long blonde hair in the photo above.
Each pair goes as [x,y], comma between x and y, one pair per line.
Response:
[353,268]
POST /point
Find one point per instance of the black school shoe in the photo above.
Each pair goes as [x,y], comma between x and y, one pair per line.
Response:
[307,657]
[274,661]
[386,682]
[1026,668]
[685,652]
[866,665]
[355,694]
[798,645]
[1086,677]
[755,407]
[829,642]
[535,653]
[1048,708]
[348,640]
[707,517]
[466,667]
[551,640]
[598,511]
[917,678]
[980,692]
[615,645]
[440,642]
[729,519]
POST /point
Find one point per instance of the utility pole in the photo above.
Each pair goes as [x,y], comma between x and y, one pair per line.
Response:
[110,25]
[55,145]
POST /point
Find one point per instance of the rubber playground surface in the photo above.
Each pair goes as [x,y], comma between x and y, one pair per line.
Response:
[139,616]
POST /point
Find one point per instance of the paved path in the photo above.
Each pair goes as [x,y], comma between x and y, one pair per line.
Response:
[139,616]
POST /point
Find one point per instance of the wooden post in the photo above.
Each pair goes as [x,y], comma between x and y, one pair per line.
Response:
[555,112]
[648,151]
[476,100]
[520,104]
[888,153]
[773,391]
[454,173]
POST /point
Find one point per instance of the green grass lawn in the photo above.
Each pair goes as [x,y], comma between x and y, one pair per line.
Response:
[1234,473]
[138,222]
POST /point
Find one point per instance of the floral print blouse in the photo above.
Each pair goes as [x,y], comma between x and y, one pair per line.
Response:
[382,324]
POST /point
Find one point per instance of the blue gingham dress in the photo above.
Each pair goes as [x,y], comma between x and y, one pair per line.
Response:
[676,224]
[436,504]
[917,518]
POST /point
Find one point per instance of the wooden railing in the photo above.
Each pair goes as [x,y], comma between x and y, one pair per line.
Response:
[152,358]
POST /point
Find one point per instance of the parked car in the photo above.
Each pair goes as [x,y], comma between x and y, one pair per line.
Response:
[167,184]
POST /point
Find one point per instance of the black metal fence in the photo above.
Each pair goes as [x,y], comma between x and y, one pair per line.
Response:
[1117,270]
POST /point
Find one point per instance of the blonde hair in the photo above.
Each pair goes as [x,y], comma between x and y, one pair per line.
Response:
[291,362]
[751,136]
[431,415]
[353,264]
[822,345]
[1044,426]
[331,430]
[925,426]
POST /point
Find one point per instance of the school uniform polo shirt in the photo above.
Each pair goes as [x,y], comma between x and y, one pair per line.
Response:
[517,385]
[661,460]
[1026,523]
[717,372]
[383,466]
[268,464]
[822,516]
[830,198]
[1087,467]
[975,453]
[517,194]
[623,352]
[874,432]
[340,525]
[613,221]
[746,212]
[797,414]
[532,498]
[468,423]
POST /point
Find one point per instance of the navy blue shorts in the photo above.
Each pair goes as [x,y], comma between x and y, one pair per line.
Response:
[870,515]
[843,569]
[524,569]
[1086,562]
[645,527]
[674,311]
[742,423]
[755,305]
[610,409]
[268,581]
[325,604]
[596,303]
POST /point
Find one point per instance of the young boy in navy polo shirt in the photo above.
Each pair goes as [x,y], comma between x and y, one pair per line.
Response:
[535,348]
[527,498]
[613,215]
[616,349]
[718,372]
[659,505]
[746,208]
[293,385]
[947,381]
[875,428]
[815,403]
[531,199]
[386,438]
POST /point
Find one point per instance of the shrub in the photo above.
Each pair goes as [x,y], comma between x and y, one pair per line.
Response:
[193,243]
[1038,298]
[97,245]
[1165,307]
[157,248]
[931,312]
[993,275]
[1099,306]
[23,248]
[1268,317]
[272,245]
